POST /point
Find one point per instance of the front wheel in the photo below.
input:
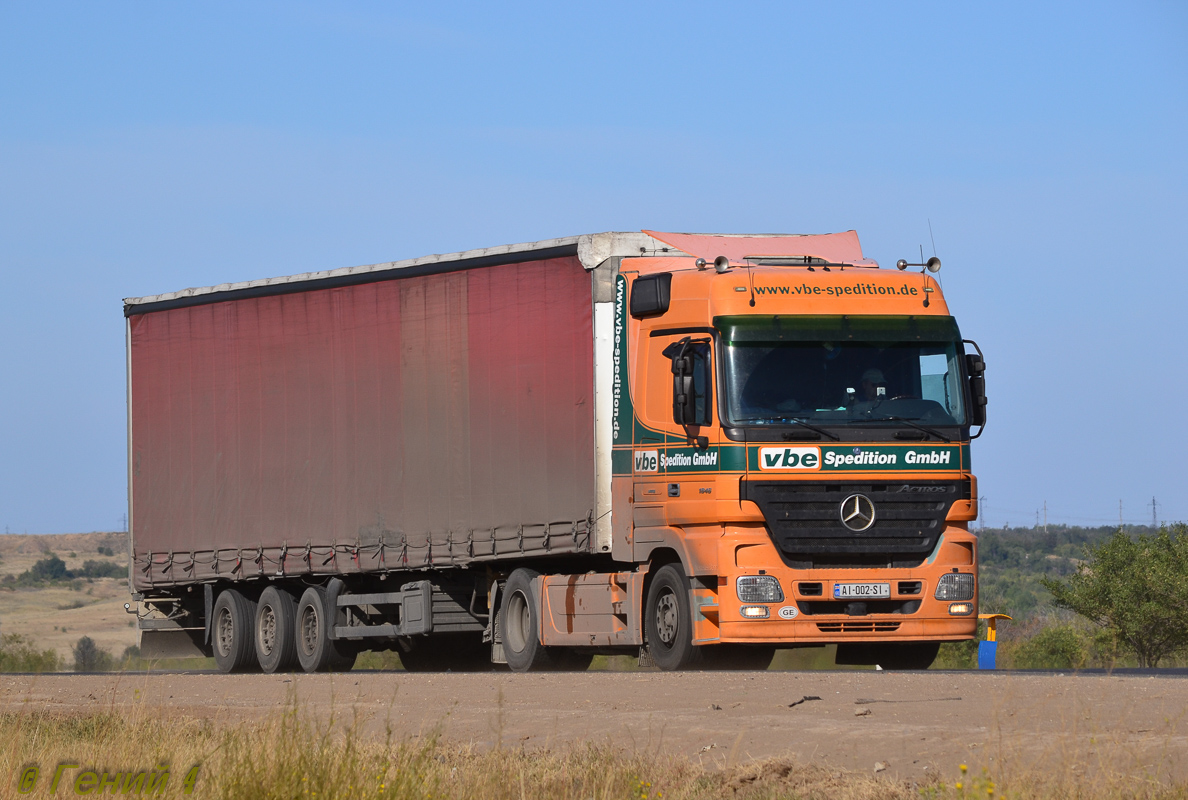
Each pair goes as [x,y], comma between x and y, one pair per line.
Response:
[668,620]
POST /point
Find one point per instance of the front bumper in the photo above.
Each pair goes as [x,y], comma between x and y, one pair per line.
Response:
[809,614]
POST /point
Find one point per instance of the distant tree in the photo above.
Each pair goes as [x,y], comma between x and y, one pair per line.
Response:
[1136,588]
[101,569]
[90,657]
[49,569]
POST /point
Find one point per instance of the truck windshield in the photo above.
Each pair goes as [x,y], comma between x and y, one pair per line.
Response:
[843,370]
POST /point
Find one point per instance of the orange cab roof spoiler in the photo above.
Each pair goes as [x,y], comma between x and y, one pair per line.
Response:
[838,248]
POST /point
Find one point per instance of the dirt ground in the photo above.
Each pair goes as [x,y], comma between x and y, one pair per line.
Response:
[907,723]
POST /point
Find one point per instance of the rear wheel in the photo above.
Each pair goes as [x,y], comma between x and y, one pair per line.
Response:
[668,620]
[316,652]
[276,630]
[520,622]
[232,627]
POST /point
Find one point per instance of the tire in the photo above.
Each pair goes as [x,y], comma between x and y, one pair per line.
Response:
[519,620]
[276,630]
[232,631]
[446,653]
[668,621]
[738,657]
[315,650]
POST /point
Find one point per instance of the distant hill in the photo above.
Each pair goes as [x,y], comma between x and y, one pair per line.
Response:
[58,613]
[1012,561]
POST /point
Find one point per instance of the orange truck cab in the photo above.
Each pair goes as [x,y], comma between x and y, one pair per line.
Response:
[791,440]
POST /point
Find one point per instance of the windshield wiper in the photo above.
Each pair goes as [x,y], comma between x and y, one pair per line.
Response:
[798,421]
[905,421]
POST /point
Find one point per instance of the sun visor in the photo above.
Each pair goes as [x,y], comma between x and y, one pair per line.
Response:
[838,248]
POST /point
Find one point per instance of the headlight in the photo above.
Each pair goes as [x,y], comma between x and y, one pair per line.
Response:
[960,609]
[955,586]
[755,612]
[759,589]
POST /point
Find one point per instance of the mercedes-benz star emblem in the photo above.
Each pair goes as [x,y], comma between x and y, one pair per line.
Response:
[857,512]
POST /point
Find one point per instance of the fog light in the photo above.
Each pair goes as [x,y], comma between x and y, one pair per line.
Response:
[759,589]
[961,609]
[955,586]
[755,612]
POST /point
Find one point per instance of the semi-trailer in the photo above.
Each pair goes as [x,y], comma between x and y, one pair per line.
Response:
[695,448]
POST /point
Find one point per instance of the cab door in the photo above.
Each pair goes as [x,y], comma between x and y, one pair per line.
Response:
[671,458]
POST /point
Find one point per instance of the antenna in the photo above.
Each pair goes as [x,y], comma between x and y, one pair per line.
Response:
[921,254]
[1045,516]
[930,236]
[1119,514]
[1154,514]
[982,511]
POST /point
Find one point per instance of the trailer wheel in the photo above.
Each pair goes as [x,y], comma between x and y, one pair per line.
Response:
[232,625]
[276,630]
[520,623]
[668,620]
[316,652]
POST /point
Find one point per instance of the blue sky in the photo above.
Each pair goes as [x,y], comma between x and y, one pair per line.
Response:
[150,147]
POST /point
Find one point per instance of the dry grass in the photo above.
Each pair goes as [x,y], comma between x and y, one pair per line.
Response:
[295,755]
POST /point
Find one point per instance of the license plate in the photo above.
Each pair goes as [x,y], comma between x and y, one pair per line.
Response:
[849,590]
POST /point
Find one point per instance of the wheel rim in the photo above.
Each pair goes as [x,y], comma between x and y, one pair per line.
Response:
[225,632]
[518,621]
[667,618]
[309,630]
[266,638]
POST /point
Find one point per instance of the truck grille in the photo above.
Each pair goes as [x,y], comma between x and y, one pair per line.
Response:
[804,520]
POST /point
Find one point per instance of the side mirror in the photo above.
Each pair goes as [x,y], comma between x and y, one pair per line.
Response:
[976,366]
[684,394]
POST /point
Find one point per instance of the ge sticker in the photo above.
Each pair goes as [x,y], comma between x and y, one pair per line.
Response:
[789,612]
[773,458]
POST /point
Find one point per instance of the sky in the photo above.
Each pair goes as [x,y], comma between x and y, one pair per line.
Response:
[149,147]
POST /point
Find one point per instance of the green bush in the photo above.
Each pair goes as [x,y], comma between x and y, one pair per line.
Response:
[101,569]
[17,654]
[1053,647]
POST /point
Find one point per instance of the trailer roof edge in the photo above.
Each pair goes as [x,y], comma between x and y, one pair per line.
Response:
[591,249]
